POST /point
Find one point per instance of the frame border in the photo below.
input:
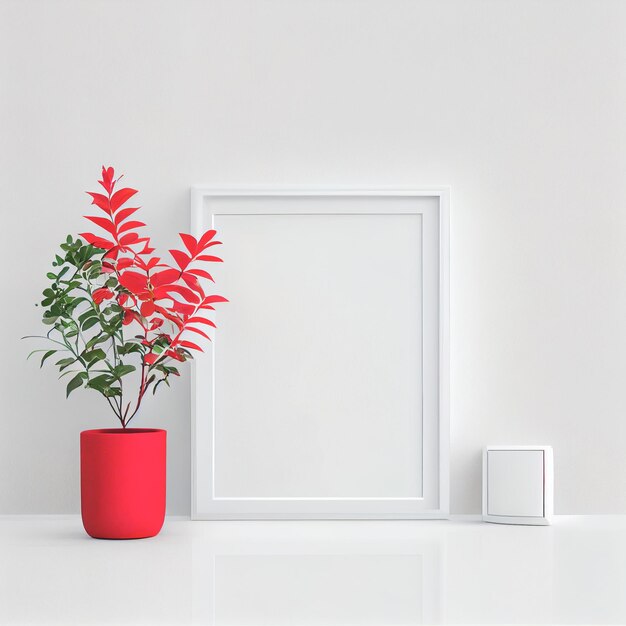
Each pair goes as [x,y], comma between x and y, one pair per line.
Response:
[198,481]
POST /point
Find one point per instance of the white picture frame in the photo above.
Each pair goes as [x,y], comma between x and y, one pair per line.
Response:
[219,490]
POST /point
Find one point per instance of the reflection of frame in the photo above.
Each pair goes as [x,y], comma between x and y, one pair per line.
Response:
[325,392]
[301,576]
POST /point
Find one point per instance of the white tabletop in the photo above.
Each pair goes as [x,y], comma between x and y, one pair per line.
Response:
[380,572]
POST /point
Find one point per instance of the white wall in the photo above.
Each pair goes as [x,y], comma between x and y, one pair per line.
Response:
[519,106]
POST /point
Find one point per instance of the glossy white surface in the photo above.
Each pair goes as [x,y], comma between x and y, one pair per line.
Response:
[357,572]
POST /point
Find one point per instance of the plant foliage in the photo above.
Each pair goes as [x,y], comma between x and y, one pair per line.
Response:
[114,308]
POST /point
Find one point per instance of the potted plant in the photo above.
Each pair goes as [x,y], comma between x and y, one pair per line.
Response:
[121,320]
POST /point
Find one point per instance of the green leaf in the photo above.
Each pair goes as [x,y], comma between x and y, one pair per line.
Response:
[94,356]
[67,373]
[92,321]
[96,339]
[101,382]
[122,370]
[86,315]
[45,356]
[75,383]
[128,347]
[66,361]
[112,391]
[101,379]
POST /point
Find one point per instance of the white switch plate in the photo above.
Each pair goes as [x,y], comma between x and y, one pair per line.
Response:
[518,484]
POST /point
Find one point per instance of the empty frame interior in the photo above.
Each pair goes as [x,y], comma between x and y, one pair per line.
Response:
[320,396]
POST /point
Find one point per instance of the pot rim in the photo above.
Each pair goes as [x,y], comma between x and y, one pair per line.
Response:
[122,431]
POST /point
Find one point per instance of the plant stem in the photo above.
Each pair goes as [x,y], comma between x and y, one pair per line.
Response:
[142,391]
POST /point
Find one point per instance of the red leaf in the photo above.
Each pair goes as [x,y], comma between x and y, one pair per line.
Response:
[173,354]
[168,315]
[211,299]
[121,215]
[181,307]
[197,330]
[192,346]
[153,262]
[129,316]
[190,243]
[201,273]
[100,201]
[166,277]
[140,263]
[121,196]
[192,283]
[112,253]
[166,291]
[181,258]
[133,281]
[204,240]
[122,264]
[213,259]
[128,225]
[107,178]
[147,308]
[101,294]
[103,222]
[201,320]
[97,242]
[150,358]
[156,322]
[188,294]
[129,238]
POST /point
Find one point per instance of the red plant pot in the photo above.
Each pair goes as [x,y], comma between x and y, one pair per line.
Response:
[122,482]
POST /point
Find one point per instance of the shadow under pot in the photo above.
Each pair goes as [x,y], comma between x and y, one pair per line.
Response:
[122,482]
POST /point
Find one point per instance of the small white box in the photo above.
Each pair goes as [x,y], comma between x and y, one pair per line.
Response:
[518,484]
